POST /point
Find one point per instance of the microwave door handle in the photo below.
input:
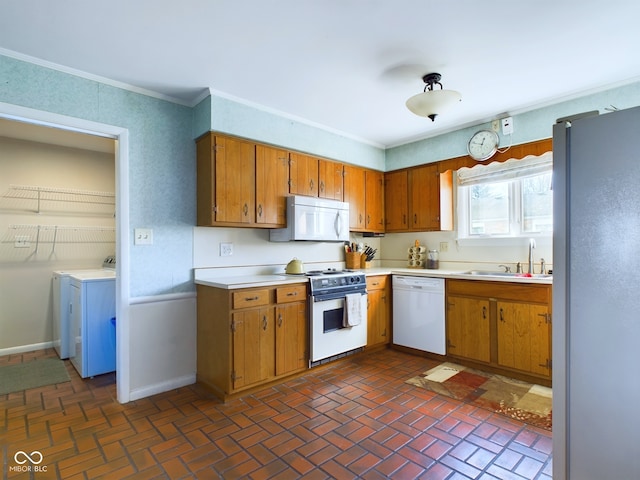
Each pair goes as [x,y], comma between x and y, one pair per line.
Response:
[337,225]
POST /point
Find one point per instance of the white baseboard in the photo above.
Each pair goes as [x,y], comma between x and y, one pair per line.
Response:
[161,387]
[25,348]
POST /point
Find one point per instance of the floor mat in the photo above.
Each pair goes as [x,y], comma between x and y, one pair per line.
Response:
[36,373]
[522,401]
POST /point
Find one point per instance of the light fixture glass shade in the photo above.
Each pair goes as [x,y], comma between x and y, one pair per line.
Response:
[433,102]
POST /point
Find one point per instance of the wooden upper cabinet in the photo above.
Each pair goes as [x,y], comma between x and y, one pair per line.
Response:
[226,181]
[272,186]
[422,195]
[330,180]
[419,199]
[374,201]
[354,193]
[303,174]
[396,201]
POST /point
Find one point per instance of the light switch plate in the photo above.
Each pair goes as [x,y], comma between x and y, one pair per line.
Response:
[143,236]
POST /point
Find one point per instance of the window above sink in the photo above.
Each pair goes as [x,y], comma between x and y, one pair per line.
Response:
[506,200]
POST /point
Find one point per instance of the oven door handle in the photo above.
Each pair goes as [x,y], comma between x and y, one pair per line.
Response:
[331,296]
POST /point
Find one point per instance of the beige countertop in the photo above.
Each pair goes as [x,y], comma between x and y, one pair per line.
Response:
[249,281]
[458,274]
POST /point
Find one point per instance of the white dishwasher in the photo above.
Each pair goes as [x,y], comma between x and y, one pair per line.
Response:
[418,313]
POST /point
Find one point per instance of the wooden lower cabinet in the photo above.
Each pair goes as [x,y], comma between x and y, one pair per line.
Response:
[252,346]
[251,336]
[504,325]
[468,329]
[292,353]
[378,310]
[523,335]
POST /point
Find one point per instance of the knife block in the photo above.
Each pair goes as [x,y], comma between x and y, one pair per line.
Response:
[353,260]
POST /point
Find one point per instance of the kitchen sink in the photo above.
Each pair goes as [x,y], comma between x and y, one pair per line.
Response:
[486,273]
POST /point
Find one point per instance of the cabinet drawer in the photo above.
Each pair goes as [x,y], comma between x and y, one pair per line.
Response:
[293,293]
[526,292]
[250,298]
[379,282]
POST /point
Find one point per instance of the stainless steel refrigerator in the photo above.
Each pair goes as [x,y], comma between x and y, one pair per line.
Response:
[596,297]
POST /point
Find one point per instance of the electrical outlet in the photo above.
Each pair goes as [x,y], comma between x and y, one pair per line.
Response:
[226,249]
[143,236]
[22,241]
[495,125]
[507,125]
[444,246]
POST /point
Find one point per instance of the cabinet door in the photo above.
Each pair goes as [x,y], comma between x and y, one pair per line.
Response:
[378,317]
[396,201]
[524,337]
[423,197]
[303,175]
[272,185]
[235,178]
[354,193]
[468,328]
[374,201]
[291,338]
[331,179]
[253,346]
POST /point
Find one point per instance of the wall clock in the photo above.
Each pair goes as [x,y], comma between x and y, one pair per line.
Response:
[483,145]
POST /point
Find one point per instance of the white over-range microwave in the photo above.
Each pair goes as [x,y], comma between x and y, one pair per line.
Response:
[314,219]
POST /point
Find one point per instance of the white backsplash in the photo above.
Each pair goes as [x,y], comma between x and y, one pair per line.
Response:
[483,254]
[253,253]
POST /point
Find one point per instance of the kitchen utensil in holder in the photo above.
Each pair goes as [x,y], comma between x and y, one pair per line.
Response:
[353,260]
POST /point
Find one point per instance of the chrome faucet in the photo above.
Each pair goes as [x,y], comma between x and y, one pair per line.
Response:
[532,245]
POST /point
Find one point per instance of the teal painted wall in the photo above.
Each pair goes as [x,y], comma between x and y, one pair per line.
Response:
[161,163]
[530,126]
[235,118]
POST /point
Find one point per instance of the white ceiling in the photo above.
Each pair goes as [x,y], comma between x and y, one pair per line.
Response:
[348,65]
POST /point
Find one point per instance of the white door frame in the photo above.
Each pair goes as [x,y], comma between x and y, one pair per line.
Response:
[121,135]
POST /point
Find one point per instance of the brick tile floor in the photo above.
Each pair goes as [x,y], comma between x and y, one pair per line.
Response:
[356,419]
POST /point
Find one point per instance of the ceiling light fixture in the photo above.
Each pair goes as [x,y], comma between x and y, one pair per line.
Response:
[433,102]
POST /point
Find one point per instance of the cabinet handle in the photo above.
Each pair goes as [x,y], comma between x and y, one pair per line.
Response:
[501,315]
[484,312]
[368,219]
[260,210]
[280,320]
[375,284]
[264,322]
[250,299]
[360,218]
[415,218]
[322,186]
[245,209]
[292,294]
[404,218]
[311,185]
